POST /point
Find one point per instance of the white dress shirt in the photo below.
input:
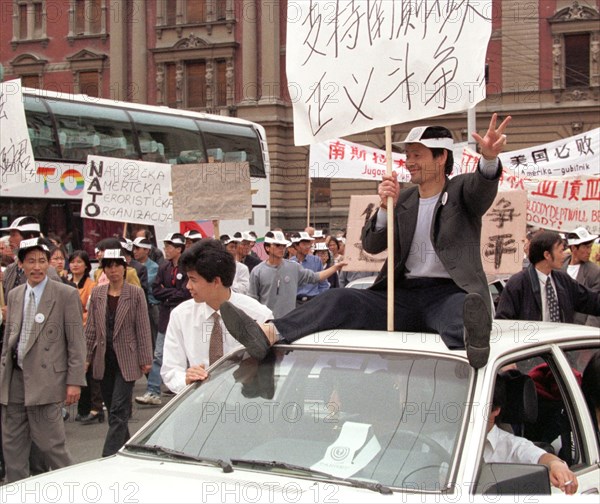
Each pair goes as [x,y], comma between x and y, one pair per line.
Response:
[502,446]
[187,338]
[241,281]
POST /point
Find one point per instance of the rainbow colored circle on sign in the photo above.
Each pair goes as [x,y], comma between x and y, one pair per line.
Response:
[79,182]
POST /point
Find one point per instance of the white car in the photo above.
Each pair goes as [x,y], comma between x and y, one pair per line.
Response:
[353,416]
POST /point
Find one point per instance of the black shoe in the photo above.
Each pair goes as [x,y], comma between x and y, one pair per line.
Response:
[90,418]
[245,329]
[257,377]
[478,326]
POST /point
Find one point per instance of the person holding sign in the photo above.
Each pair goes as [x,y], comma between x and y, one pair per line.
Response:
[440,285]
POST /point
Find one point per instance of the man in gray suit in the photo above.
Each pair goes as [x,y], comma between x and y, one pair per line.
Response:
[42,363]
[580,268]
[440,285]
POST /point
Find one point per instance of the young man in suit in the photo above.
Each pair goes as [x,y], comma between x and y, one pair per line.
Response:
[544,292]
[580,268]
[440,285]
[42,363]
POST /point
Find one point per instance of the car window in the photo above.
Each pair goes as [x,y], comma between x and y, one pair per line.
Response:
[585,362]
[555,429]
[389,418]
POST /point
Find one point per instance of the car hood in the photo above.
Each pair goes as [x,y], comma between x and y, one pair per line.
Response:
[137,479]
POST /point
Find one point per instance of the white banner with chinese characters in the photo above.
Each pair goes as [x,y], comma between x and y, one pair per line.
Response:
[355,65]
[560,202]
[343,159]
[576,155]
[16,153]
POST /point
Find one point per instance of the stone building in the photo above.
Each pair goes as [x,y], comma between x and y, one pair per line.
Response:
[228,57]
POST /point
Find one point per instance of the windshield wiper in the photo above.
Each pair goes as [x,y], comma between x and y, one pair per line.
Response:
[375,487]
[156,449]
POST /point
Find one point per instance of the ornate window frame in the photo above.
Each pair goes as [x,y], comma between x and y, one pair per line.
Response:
[181,22]
[86,61]
[29,64]
[20,38]
[575,19]
[191,49]
[73,35]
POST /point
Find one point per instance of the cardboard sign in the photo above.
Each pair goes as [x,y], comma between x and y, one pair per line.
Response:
[211,191]
[362,207]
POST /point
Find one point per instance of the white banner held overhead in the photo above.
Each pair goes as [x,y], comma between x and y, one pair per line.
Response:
[342,159]
[355,65]
[16,154]
[576,155]
[123,190]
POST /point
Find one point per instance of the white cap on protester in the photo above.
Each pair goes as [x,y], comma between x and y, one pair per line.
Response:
[320,246]
[302,236]
[24,223]
[276,238]
[141,242]
[227,239]
[192,234]
[174,238]
[415,134]
[579,236]
[32,243]
[113,255]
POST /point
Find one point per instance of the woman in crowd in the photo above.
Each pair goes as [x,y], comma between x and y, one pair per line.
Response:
[322,252]
[89,407]
[119,344]
[57,261]
[333,244]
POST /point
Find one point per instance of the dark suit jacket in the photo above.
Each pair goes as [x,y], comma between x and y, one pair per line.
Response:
[588,275]
[455,231]
[521,298]
[132,339]
[168,294]
[55,353]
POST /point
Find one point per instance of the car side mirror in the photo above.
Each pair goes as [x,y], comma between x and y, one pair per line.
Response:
[513,479]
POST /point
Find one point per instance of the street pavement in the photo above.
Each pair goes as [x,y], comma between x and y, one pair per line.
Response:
[85,442]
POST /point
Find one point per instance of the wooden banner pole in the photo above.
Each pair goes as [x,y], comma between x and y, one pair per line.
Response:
[390,233]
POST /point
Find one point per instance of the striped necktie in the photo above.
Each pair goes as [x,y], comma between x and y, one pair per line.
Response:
[26,327]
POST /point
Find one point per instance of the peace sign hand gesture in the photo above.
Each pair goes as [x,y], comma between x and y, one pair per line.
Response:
[494,140]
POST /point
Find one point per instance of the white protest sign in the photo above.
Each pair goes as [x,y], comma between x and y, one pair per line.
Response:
[342,159]
[212,191]
[124,190]
[355,65]
[16,154]
[559,203]
[576,155]
[503,233]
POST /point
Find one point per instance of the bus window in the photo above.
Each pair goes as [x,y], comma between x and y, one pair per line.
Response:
[41,130]
[91,129]
[164,138]
[237,141]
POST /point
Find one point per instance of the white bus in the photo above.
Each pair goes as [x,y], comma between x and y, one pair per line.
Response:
[65,128]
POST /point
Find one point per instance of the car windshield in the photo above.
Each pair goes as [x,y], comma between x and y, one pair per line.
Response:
[389,418]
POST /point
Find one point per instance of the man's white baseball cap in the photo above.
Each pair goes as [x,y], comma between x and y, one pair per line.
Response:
[415,136]
[276,238]
[25,223]
[579,236]
[142,242]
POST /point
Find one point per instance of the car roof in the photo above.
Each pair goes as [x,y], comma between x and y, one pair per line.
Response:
[507,335]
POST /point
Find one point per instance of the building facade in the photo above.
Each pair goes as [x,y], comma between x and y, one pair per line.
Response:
[228,57]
